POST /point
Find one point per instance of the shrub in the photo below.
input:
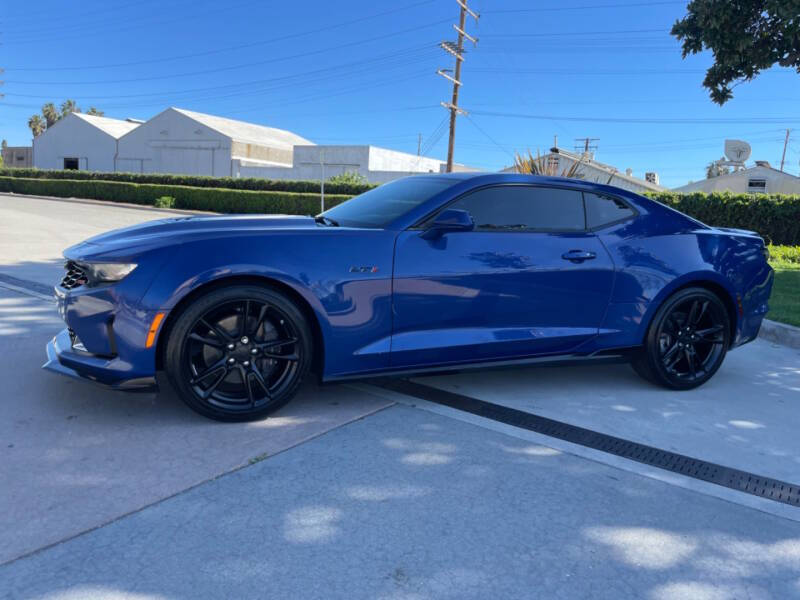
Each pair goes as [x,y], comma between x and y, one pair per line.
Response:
[164,202]
[233,183]
[349,178]
[775,217]
[785,254]
[185,197]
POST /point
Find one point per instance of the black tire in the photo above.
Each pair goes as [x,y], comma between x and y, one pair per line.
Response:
[686,341]
[238,353]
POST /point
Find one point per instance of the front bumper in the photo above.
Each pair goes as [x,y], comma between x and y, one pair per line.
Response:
[63,359]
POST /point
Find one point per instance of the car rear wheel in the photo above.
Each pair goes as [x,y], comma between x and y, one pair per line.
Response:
[238,353]
[687,340]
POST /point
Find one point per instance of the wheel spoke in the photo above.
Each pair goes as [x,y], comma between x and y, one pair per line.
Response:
[260,380]
[690,361]
[265,346]
[261,316]
[669,354]
[690,318]
[290,357]
[710,335]
[699,316]
[217,366]
[210,389]
[243,318]
[218,331]
[671,366]
[206,340]
[247,385]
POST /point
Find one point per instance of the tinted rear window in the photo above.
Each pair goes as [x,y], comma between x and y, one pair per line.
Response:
[602,210]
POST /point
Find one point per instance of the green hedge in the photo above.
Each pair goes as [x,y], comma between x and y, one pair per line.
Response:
[189,198]
[233,183]
[775,217]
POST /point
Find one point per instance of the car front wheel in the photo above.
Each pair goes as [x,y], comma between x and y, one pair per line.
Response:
[687,340]
[238,353]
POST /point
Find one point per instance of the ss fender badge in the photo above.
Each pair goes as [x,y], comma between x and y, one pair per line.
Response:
[364,269]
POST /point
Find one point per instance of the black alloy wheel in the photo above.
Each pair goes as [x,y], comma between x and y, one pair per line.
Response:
[239,353]
[687,340]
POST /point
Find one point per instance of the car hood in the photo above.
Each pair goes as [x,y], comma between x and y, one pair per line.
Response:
[151,235]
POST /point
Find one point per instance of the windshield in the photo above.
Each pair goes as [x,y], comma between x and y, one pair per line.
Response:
[382,205]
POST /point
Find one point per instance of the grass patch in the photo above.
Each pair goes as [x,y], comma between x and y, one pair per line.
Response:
[784,304]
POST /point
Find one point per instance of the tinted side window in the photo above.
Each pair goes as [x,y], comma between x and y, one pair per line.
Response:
[601,210]
[521,208]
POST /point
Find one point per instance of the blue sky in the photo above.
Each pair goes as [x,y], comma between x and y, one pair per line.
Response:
[364,72]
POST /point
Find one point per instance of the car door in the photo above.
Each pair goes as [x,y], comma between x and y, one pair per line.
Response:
[528,280]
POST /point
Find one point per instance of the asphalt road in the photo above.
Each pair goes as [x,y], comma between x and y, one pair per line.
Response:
[351,492]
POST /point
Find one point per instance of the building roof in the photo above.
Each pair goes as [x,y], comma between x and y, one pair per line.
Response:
[591,162]
[249,133]
[612,172]
[113,127]
[718,183]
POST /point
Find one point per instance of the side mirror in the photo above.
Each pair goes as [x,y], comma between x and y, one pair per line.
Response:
[449,220]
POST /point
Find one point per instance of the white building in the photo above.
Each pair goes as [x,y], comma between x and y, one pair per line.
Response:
[559,161]
[80,141]
[758,179]
[377,165]
[187,142]
[20,157]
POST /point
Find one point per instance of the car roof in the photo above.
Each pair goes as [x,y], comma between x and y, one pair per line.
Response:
[485,177]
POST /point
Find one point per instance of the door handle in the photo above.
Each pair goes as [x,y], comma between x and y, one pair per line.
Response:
[578,256]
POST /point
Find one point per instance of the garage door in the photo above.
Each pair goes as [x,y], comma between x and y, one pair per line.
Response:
[190,161]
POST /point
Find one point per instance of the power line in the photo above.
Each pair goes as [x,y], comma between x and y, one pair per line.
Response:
[583,7]
[638,120]
[399,58]
[240,46]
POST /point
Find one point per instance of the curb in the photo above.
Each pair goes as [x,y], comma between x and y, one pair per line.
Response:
[145,207]
[780,333]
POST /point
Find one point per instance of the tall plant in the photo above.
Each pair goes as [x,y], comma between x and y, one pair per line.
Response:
[544,165]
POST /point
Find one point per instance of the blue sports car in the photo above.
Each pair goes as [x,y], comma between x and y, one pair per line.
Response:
[427,273]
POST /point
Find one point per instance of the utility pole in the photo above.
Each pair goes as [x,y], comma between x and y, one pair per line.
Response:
[587,144]
[419,143]
[457,50]
[785,143]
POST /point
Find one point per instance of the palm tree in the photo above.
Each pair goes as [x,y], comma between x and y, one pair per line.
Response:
[50,113]
[37,125]
[95,111]
[69,106]
[545,165]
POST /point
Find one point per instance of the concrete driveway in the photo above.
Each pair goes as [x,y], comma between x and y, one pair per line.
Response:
[351,491]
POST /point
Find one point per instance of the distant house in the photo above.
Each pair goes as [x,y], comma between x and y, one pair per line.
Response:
[559,160]
[80,142]
[20,157]
[758,179]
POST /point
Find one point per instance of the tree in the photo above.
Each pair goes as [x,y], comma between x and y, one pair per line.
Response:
[37,125]
[50,114]
[95,111]
[746,37]
[69,106]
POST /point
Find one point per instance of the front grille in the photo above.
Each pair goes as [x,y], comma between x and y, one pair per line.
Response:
[75,276]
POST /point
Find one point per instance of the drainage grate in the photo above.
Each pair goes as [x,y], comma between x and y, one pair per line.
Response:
[765,487]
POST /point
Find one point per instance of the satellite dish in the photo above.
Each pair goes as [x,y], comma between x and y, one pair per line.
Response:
[737,151]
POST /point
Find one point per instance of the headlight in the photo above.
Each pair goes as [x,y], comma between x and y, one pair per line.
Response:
[107,272]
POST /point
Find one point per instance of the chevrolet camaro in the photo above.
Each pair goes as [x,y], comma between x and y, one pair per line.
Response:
[424,274]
